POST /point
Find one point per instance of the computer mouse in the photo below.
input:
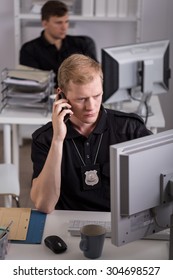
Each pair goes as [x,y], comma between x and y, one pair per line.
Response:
[55,243]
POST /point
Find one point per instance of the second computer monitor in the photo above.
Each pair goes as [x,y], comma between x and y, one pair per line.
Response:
[136,68]
[141,187]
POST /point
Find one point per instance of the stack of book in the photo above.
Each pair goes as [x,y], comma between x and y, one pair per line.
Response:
[98,8]
[109,8]
[72,5]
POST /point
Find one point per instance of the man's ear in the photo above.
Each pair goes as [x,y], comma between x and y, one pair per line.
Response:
[58,90]
[44,23]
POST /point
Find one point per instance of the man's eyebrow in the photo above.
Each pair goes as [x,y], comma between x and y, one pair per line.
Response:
[85,97]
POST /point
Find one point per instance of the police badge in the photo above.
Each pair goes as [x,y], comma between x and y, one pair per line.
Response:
[91,177]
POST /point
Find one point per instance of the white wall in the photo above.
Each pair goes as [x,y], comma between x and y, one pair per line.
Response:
[157,22]
[6,34]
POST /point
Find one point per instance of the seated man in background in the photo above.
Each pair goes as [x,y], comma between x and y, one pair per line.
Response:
[70,154]
[54,45]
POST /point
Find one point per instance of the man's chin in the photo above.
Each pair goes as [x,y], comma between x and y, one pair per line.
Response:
[89,120]
[85,119]
[62,36]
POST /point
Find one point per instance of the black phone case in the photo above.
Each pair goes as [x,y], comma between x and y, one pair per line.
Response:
[62,96]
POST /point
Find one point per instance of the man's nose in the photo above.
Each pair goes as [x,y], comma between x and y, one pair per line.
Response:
[89,103]
[64,25]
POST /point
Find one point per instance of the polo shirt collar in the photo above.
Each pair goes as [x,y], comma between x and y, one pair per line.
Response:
[47,44]
[100,128]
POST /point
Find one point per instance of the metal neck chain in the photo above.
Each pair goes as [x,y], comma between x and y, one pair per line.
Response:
[98,148]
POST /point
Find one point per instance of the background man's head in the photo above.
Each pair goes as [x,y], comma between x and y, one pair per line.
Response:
[55,21]
[53,8]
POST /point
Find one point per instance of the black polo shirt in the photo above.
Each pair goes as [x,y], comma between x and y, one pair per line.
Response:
[116,127]
[40,54]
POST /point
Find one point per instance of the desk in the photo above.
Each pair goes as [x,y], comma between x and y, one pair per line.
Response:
[11,119]
[155,121]
[57,224]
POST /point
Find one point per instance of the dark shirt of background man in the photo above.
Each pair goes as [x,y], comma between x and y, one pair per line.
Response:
[40,54]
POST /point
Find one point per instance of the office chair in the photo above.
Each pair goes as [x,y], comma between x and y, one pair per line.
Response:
[9,184]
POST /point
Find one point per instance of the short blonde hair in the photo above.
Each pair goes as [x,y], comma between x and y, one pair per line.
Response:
[79,69]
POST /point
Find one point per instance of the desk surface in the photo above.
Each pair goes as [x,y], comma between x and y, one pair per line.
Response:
[57,224]
[13,116]
[154,121]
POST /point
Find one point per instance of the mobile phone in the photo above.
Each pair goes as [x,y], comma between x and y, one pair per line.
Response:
[62,96]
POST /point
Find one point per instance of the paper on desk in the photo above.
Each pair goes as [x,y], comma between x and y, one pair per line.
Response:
[24,82]
[23,101]
[29,74]
[26,92]
[20,218]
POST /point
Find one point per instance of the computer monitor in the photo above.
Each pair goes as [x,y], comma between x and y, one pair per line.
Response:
[135,71]
[141,178]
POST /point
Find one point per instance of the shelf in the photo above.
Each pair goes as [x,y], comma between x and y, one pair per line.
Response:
[27,23]
[36,17]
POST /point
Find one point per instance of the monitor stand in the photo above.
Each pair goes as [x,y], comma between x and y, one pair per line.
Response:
[144,109]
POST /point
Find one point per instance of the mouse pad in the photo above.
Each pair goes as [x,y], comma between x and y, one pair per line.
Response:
[35,229]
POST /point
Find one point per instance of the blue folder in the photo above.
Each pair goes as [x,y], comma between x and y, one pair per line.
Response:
[35,228]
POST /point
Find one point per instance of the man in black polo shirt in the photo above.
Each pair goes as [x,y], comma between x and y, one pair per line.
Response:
[71,154]
[54,45]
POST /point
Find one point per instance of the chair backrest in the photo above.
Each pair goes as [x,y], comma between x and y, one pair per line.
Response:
[9,183]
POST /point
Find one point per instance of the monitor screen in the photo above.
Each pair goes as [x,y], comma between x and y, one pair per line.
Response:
[141,187]
[130,69]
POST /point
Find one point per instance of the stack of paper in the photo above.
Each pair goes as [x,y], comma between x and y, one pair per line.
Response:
[27,87]
[28,76]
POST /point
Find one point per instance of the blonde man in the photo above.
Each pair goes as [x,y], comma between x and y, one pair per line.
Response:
[71,154]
